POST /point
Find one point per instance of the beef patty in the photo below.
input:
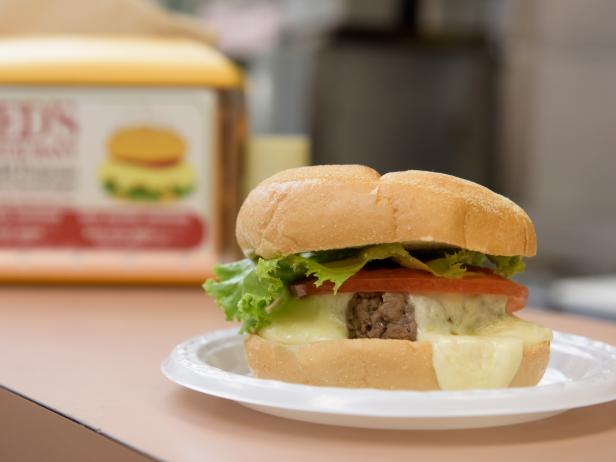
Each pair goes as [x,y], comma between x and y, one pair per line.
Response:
[381,315]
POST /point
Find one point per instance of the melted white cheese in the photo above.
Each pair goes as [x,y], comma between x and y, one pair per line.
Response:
[476,315]
[475,343]
[310,319]
[465,361]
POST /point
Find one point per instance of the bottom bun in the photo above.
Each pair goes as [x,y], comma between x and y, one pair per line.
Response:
[367,363]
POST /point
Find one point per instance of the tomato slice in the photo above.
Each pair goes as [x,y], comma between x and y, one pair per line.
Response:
[421,282]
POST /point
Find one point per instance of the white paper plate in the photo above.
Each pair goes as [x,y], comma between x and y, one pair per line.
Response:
[581,372]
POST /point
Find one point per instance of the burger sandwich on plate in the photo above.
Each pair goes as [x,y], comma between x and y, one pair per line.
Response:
[400,281]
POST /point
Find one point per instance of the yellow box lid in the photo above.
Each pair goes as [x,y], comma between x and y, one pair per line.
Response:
[73,60]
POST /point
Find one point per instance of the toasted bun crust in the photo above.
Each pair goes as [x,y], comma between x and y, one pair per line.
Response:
[339,206]
[392,364]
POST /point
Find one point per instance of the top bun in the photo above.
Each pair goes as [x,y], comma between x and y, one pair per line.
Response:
[338,206]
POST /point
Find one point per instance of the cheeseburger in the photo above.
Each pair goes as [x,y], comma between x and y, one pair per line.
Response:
[399,281]
[146,164]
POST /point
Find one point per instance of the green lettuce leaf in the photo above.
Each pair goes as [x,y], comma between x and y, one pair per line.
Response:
[338,271]
[454,264]
[250,291]
[245,291]
[507,266]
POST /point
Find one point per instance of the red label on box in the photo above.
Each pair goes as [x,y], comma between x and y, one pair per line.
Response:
[37,226]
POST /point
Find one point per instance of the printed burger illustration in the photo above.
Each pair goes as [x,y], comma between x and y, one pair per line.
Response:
[147,164]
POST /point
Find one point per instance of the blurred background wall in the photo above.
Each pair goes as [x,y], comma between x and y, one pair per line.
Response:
[518,95]
[515,94]
[559,120]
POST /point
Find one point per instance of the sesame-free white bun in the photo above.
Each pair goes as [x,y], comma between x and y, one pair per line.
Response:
[339,206]
[367,363]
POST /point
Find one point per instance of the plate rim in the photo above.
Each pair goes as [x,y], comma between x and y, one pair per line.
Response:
[600,388]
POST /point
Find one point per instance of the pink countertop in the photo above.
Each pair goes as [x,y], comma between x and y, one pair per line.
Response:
[93,354]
